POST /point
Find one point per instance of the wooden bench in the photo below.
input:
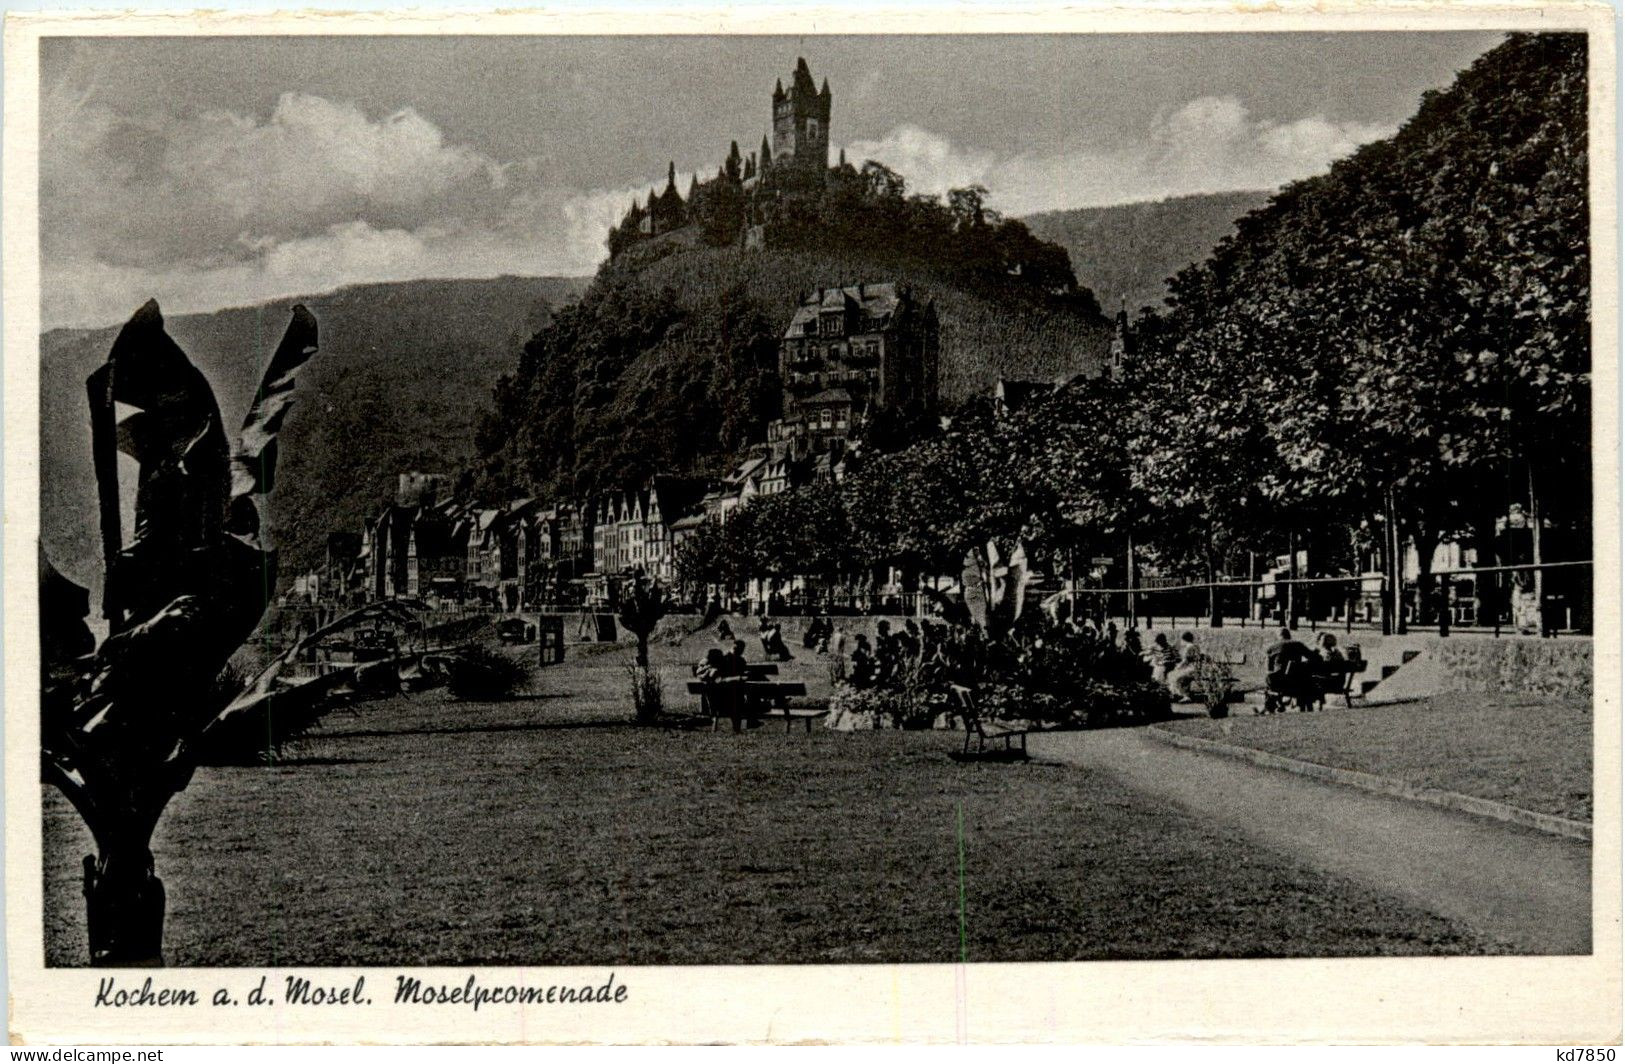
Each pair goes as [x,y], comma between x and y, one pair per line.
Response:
[1330,680]
[749,699]
[1345,676]
[985,730]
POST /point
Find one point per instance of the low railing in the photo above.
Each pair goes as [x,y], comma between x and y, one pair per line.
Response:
[1363,602]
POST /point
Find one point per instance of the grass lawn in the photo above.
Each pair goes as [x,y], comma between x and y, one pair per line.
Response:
[1534,753]
[546,830]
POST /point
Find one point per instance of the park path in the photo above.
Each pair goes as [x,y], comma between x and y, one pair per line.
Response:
[1528,890]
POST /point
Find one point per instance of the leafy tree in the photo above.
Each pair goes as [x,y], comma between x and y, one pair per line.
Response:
[641,609]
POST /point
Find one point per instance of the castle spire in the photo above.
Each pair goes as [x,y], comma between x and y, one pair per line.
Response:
[671,175]
[766,154]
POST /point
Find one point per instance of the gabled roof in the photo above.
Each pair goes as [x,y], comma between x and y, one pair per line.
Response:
[878,301]
[676,496]
[747,469]
[828,395]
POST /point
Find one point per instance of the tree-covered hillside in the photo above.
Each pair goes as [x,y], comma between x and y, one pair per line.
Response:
[1409,333]
[669,361]
[1127,253]
[402,371]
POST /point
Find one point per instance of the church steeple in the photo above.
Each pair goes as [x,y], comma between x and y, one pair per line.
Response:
[1117,355]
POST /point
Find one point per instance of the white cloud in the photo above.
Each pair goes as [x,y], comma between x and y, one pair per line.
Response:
[218,209]
[1210,144]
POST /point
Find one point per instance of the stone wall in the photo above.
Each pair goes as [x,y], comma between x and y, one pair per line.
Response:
[1549,667]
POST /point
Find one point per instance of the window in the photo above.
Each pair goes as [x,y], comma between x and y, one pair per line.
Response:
[812,129]
[824,419]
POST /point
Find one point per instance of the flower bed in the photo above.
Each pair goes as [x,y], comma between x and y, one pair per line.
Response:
[1045,676]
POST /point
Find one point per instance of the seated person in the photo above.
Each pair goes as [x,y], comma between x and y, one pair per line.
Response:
[711,668]
[773,642]
[1292,670]
[733,663]
[1180,677]
[887,652]
[908,640]
[1131,642]
[862,674]
[1164,658]
[1332,663]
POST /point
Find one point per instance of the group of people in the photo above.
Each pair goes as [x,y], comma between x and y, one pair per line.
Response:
[720,664]
[881,665]
[1305,675]
[1176,667]
[932,652]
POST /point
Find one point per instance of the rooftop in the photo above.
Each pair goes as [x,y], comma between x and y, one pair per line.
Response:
[877,301]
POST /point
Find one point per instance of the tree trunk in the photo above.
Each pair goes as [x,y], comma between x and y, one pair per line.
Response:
[1212,592]
[1534,552]
[1396,561]
[1133,607]
[1291,577]
[124,908]
[1486,587]
[643,649]
[1430,593]
[1389,620]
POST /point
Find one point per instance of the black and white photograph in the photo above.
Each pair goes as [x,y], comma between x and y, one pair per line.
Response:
[594,502]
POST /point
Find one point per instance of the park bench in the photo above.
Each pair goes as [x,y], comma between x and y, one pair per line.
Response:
[1330,679]
[1344,677]
[986,730]
[751,698]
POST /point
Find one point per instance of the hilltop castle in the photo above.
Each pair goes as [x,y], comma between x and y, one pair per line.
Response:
[733,206]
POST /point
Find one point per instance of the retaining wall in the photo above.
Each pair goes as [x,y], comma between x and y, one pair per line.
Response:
[1466,662]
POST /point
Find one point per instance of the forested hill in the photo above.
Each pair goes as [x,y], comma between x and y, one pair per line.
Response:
[669,361]
[402,370]
[1128,252]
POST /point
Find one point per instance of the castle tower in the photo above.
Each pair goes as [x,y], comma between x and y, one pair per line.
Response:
[801,124]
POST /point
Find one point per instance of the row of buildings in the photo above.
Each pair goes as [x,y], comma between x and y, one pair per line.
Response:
[426,544]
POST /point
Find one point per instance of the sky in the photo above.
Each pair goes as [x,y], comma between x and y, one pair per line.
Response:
[212,172]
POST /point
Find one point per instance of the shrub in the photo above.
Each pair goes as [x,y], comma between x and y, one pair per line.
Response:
[887,707]
[1014,702]
[1098,703]
[648,693]
[477,673]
